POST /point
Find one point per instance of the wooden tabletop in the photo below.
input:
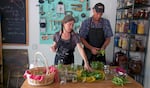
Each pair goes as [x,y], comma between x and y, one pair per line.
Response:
[97,84]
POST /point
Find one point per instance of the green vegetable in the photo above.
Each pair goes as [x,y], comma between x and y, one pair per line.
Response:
[97,65]
[59,66]
[119,80]
[101,53]
[95,74]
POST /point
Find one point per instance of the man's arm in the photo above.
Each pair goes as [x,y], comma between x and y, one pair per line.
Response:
[86,44]
[106,43]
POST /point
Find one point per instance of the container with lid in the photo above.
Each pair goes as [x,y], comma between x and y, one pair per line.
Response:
[135,65]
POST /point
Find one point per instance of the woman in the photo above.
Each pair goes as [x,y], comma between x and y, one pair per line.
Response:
[65,42]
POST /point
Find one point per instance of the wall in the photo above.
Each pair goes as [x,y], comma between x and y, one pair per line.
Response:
[110,13]
[34,32]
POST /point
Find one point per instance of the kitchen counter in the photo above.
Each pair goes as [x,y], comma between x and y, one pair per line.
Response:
[96,84]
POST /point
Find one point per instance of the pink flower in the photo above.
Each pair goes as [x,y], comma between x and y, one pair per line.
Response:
[119,69]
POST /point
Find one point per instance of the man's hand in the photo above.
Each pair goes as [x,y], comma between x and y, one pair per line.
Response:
[94,50]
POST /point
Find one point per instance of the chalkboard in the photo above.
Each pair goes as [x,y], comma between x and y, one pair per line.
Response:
[14,21]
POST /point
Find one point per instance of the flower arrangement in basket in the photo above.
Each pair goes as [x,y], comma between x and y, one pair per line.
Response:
[39,76]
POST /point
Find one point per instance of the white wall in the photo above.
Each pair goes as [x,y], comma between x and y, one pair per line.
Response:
[34,45]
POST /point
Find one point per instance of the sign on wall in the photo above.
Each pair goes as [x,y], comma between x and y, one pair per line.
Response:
[14,21]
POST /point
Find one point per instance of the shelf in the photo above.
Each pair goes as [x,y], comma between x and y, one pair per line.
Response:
[133,19]
[128,39]
[124,19]
[124,33]
[141,6]
[126,7]
[130,50]
[136,6]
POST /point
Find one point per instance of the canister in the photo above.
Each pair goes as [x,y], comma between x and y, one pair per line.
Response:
[133,45]
[135,66]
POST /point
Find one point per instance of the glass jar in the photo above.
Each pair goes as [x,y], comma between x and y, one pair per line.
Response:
[106,71]
[135,66]
[133,45]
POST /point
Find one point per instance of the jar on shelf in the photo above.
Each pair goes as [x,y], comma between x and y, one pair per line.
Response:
[133,44]
[140,29]
[117,27]
[124,43]
[140,46]
[116,41]
[135,65]
[133,27]
[146,14]
[129,2]
[121,59]
[120,42]
[126,26]
[122,27]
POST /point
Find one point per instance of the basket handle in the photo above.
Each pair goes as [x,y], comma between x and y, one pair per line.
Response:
[39,53]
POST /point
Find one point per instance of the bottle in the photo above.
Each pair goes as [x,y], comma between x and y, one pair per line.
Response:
[116,41]
[124,43]
[60,64]
[140,29]
[120,42]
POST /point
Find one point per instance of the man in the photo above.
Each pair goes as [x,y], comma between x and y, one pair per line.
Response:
[96,33]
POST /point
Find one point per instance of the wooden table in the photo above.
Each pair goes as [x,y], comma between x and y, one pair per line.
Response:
[97,84]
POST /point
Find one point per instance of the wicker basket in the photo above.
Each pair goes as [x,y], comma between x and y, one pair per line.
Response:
[39,76]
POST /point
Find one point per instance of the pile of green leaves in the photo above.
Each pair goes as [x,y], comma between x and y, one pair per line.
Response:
[96,74]
[119,80]
[97,65]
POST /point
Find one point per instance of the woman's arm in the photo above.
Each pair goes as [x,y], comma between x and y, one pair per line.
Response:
[83,55]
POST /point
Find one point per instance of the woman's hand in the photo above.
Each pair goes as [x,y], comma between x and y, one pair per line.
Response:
[87,67]
[53,47]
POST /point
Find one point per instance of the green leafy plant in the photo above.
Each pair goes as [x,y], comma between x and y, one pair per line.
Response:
[119,80]
[97,65]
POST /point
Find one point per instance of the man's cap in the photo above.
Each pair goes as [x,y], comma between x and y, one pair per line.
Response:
[99,7]
[68,18]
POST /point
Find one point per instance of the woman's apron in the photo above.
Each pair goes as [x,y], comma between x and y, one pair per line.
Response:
[64,52]
[95,38]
